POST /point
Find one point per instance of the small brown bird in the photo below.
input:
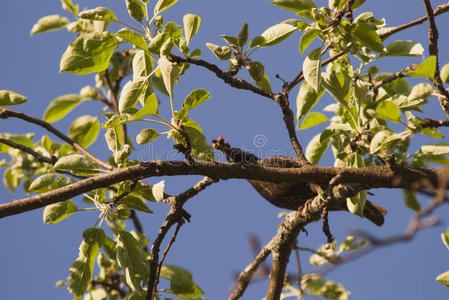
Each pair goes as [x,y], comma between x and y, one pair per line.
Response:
[288,195]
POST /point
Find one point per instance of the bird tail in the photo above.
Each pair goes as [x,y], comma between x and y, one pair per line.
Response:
[374,213]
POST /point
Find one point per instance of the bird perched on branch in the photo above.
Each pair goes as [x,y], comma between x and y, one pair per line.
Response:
[288,195]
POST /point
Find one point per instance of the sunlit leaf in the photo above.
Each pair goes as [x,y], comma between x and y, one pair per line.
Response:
[135,9]
[10,98]
[222,53]
[49,23]
[191,25]
[388,110]
[276,34]
[61,106]
[306,99]
[84,130]
[242,38]
[294,5]
[162,5]
[169,72]
[411,200]
[55,213]
[316,148]
[49,182]
[76,163]
[313,119]
[443,278]
[98,14]
[312,69]
[146,135]
[132,37]
[307,38]
[425,69]
[134,202]
[403,48]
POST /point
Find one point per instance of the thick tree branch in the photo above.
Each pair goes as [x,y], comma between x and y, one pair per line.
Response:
[433,50]
[369,177]
[49,160]
[7,113]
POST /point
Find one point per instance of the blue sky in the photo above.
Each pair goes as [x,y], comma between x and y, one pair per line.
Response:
[214,245]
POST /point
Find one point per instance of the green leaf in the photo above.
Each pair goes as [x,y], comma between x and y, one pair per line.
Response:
[445,238]
[420,91]
[81,270]
[49,23]
[411,200]
[142,65]
[10,98]
[12,178]
[443,278]
[257,41]
[276,34]
[312,69]
[444,73]
[257,72]
[169,72]
[162,5]
[222,53]
[114,138]
[67,5]
[131,92]
[242,38]
[88,92]
[132,37]
[149,107]
[368,37]
[357,203]
[313,119]
[436,148]
[77,164]
[388,110]
[192,100]
[22,139]
[55,213]
[146,135]
[158,191]
[156,43]
[316,148]
[316,285]
[425,69]
[191,25]
[134,202]
[49,182]
[230,39]
[61,106]
[306,99]
[294,5]
[132,260]
[382,139]
[136,9]
[403,48]
[307,38]
[89,53]
[84,130]
[181,280]
[98,14]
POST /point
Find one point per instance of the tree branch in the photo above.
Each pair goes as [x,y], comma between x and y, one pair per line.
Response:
[369,177]
[49,160]
[7,113]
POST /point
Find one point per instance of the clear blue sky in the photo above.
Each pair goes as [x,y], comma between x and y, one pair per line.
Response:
[213,246]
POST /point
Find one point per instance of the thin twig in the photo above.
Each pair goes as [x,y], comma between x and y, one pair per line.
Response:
[49,160]
[6,113]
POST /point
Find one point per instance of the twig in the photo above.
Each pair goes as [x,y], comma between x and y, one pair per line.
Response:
[433,50]
[426,122]
[49,160]
[176,215]
[6,113]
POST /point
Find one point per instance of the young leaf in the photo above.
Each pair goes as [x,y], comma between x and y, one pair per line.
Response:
[82,268]
[436,148]
[411,200]
[77,164]
[294,5]
[425,69]
[132,37]
[142,65]
[388,110]
[222,53]
[382,139]
[136,9]
[403,48]
[181,280]
[312,69]
[134,202]
[169,72]
[114,138]
[368,37]
[158,191]
[443,278]
[49,23]
[444,73]
[313,119]
[146,135]
[162,5]
[89,53]
[84,130]
[257,72]
[61,106]
[49,182]
[420,91]
[10,98]
[445,238]
[306,99]
[192,100]
[316,148]
[149,107]
[257,41]
[156,43]
[131,92]
[230,39]
[55,213]
[276,34]
[191,25]
[132,260]
[307,38]
[88,92]
[98,14]
[68,6]
[242,38]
